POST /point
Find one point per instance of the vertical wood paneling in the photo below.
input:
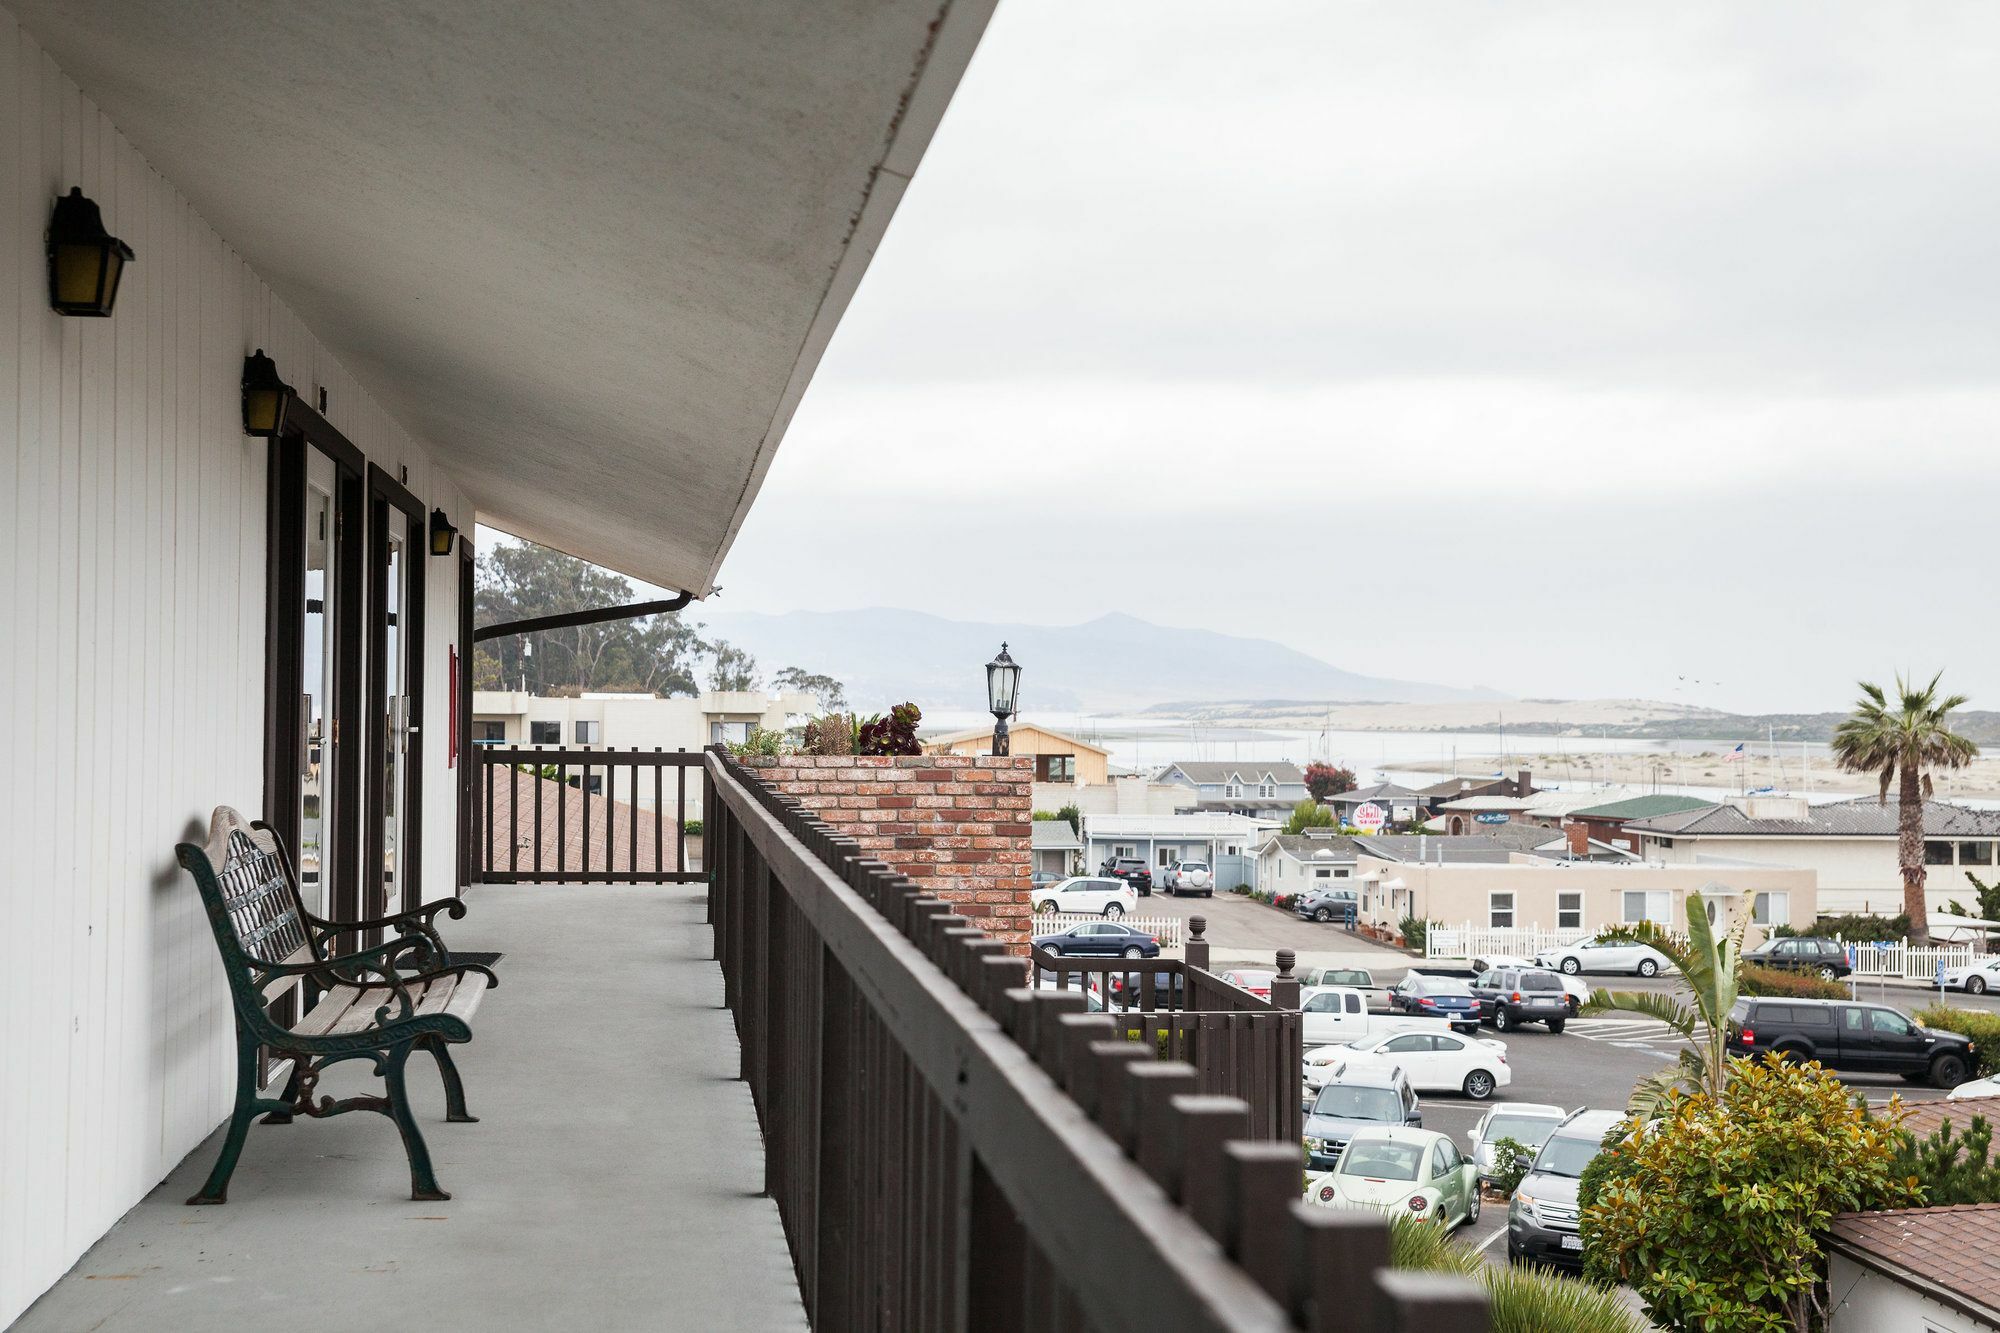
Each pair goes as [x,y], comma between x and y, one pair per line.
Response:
[132,546]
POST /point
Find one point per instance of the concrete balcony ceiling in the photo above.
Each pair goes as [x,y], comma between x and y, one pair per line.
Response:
[589,250]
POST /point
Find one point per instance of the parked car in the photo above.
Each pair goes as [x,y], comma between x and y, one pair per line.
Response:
[1333,1014]
[1353,1100]
[1357,977]
[1133,871]
[1169,990]
[1979,1087]
[1575,989]
[1096,897]
[1434,1061]
[1822,957]
[1415,1172]
[1327,905]
[1102,939]
[1543,1220]
[1190,878]
[1852,1037]
[1437,997]
[1527,1123]
[1595,955]
[1041,877]
[1978,978]
[1256,980]
[1511,996]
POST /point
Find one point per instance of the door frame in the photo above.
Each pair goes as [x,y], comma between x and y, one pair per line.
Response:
[468,763]
[385,491]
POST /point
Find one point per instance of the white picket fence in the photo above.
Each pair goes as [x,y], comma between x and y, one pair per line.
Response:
[1898,960]
[1168,930]
[1470,941]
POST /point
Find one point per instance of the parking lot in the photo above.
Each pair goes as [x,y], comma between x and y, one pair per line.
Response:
[1594,1062]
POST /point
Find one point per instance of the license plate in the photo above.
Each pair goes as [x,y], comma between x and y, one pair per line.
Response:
[1572,1242]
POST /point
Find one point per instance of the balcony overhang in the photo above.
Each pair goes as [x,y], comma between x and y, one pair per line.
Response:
[590,253]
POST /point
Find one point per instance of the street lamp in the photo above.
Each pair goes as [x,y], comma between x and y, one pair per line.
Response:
[1003,688]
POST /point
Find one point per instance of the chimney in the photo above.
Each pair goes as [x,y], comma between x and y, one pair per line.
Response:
[1524,783]
[1579,838]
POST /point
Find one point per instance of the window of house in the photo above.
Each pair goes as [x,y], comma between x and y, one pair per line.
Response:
[1166,855]
[589,733]
[1322,872]
[1937,853]
[1569,911]
[1655,905]
[1055,768]
[1266,790]
[489,733]
[545,733]
[728,733]
[1232,790]
[1975,853]
[1340,872]
[1771,909]
[1121,849]
[1500,910]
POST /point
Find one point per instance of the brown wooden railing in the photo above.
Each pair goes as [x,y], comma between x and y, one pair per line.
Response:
[1239,1045]
[552,815]
[950,1149]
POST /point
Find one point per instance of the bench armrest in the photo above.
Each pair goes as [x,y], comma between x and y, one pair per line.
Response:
[417,922]
[367,969]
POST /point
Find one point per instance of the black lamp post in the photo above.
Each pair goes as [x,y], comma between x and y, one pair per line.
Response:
[1003,688]
[442,533]
[85,261]
[266,398]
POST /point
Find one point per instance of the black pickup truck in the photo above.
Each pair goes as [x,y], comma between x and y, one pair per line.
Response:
[1852,1037]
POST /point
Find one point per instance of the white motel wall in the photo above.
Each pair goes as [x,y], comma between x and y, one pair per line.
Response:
[132,592]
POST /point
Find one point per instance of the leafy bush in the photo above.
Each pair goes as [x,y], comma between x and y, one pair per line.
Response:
[1413,931]
[1511,1160]
[1309,814]
[1982,1027]
[1856,926]
[1754,980]
[1718,1211]
[1952,1168]
[760,744]
[692,828]
[1520,1300]
[1324,780]
[894,734]
[1285,902]
[1242,888]
[831,734]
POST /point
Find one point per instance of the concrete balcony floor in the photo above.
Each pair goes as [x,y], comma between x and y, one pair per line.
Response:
[611,1184]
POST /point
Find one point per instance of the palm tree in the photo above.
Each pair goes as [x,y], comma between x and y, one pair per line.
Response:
[1708,965]
[1902,743]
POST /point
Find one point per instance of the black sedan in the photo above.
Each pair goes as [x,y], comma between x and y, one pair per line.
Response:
[1103,939]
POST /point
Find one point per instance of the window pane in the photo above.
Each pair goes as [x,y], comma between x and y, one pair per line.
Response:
[545,733]
[587,733]
[1937,853]
[1975,853]
[1569,911]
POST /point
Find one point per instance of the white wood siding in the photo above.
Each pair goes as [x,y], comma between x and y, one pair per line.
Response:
[132,543]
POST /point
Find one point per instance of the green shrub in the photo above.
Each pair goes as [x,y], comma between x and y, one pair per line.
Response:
[1242,888]
[692,828]
[1522,1300]
[760,744]
[1511,1160]
[1413,931]
[1754,980]
[1982,1027]
[1855,926]
[1952,1168]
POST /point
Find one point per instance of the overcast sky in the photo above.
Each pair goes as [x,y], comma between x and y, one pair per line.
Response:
[1565,349]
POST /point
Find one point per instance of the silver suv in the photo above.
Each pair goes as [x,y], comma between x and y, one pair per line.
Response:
[1544,1220]
[1189,877]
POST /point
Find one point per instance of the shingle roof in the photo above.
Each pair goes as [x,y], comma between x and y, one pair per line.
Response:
[1053,835]
[1925,1117]
[1642,807]
[1505,804]
[1381,791]
[1951,1251]
[1860,818]
[1203,770]
[1461,786]
[1481,848]
[1306,848]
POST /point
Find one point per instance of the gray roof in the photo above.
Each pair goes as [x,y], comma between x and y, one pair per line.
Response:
[1471,848]
[1053,835]
[1381,791]
[1305,847]
[1462,786]
[1203,770]
[1861,818]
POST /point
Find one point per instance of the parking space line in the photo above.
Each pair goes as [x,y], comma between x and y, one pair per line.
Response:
[1487,1244]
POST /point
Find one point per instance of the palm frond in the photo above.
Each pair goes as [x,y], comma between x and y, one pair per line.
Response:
[1652,1094]
[1649,1003]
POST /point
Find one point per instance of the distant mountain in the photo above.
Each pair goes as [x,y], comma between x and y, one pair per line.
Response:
[884,656]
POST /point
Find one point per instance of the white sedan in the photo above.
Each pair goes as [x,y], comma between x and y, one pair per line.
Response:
[1978,977]
[1595,955]
[1432,1061]
[1087,895]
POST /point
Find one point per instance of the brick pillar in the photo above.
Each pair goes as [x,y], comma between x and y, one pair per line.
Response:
[956,824]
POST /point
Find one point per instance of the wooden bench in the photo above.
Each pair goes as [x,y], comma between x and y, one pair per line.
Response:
[378,1004]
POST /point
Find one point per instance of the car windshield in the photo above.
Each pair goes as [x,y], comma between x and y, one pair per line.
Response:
[1531,1130]
[1349,1103]
[1382,1159]
[1566,1156]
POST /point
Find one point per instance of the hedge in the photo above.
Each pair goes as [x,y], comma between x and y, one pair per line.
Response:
[1982,1027]
[1754,980]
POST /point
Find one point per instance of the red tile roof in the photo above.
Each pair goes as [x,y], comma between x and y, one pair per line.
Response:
[1951,1254]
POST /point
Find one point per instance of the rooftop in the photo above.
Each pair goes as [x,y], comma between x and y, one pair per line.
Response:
[1381,791]
[1507,804]
[1202,770]
[1053,835]
[1306,847]
[1951,1253]
[1863,817]
[1015,728]
[1642,807]
[1200,824]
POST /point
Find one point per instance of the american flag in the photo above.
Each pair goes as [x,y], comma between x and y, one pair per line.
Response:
[1736,755]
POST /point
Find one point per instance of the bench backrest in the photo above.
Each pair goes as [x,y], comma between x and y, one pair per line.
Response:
[252,902]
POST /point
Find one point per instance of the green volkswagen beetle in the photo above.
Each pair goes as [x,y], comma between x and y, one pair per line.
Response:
[1412,1171]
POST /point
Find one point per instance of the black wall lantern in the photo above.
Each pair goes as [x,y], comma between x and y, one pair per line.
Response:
[1003,688]
[266,398]
[443,534]
[85,261]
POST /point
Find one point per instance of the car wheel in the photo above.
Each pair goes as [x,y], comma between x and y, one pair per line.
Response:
[1513,1255]
[1976,985]
[1113,909]
[1322,916]
[1048,906]
[1571,967]
[1472,1209]
[1798,1053]
[1135,952]
[1947,1071]
[1479,1085]
[1648,968]
[1502,1020]
[1828,974]
[1556,1025]
[1208,893]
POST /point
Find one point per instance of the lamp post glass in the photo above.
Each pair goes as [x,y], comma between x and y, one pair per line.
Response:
[85,261]
[1003,688]
[265,396]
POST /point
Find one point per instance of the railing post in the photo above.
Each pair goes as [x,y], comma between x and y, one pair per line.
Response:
[1197,942]
[1285,986]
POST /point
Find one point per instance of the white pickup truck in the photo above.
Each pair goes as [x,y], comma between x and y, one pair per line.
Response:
[1338,1014]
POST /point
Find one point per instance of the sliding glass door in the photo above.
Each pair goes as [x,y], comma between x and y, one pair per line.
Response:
[395,670]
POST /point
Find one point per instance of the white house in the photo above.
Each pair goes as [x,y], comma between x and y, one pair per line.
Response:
[1291,862]
[1927,1270]
[1160,840]
[1850,844]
